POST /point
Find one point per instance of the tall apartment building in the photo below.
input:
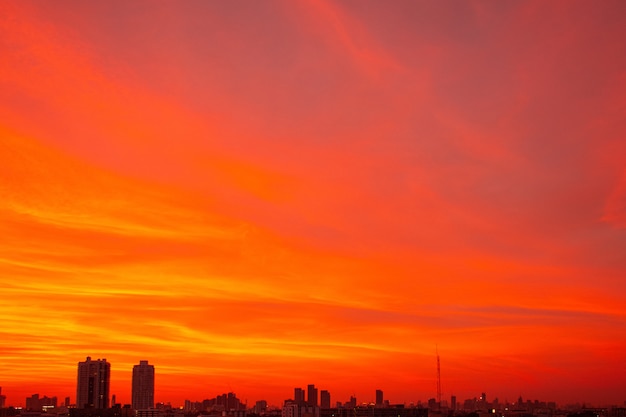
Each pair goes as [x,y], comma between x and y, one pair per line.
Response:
[379,398]
[92,387]
[324,399]
[143,386]
[298,396]
[311,398]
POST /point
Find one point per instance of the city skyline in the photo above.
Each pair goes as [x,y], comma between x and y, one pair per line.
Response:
[93,382]
[478,402]
[264,195]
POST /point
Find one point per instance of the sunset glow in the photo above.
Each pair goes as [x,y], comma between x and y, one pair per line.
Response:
[255,196]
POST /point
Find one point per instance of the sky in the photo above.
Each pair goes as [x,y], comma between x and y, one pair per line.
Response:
[261,195]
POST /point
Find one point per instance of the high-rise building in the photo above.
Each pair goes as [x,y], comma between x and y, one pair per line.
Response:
[352,403]
[379,398]
[2,398]
[143,386]
[311,399]
[324,399]
[298,396]
[260,407]
[92,388]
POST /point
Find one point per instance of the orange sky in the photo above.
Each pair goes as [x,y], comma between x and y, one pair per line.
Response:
[259,196]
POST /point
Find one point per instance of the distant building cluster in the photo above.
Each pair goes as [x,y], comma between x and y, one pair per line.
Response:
[225,403]
[300,406]
[35,403]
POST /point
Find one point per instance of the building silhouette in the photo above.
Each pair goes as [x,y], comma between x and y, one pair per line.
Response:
[351,404]
[143,386]
[311,399]
[324,399]
[291,409]
[379,398]
[92,387]
[35,403]
[394,411]
[298,396]
[260,407]
[148,412]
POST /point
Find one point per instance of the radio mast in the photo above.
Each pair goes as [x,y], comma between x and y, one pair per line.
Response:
[438,380]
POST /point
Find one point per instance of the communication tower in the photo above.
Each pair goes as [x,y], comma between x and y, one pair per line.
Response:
[438,380]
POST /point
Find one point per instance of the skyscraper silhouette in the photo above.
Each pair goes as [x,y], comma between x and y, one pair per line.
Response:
[379,398]
[92,387]
[311,399]
[324,399]
[298,396]
[143,386]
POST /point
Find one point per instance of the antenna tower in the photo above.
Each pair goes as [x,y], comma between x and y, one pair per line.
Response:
[438,381]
